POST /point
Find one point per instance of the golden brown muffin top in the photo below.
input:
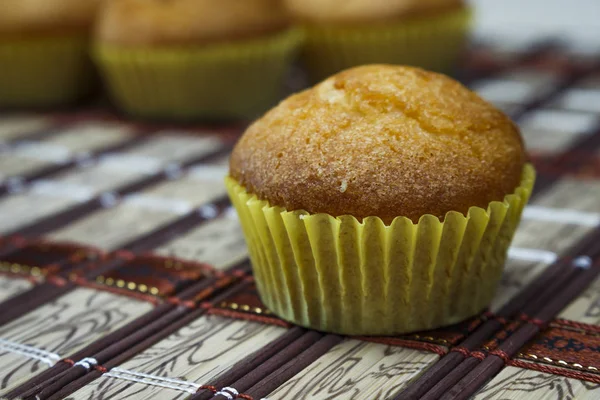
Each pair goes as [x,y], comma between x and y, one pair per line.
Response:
[382,141]
[183,22]
[359,11]
[26,17]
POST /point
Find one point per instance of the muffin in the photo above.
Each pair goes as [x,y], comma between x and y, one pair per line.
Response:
[381,201]
[344,33]
[183,59]
[44,51]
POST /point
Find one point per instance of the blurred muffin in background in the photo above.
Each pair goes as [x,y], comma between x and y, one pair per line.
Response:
[44,51]
[188,59]
[344,33]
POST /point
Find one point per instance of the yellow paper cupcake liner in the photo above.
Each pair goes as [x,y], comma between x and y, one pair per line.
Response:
[433,42]
[367,278]
[233,80]
[41,72]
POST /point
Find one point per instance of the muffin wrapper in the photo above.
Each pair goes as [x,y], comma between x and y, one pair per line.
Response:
[368,278]
[433,42]
[44,71]
[233,80]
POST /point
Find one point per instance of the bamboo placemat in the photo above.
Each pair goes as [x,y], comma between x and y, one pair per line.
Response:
[124,273]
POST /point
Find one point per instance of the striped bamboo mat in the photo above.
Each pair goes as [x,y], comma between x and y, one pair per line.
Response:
[124,274]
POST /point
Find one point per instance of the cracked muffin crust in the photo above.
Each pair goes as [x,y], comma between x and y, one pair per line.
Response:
[381,141]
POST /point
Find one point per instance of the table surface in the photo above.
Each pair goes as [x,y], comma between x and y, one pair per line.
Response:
[124,274]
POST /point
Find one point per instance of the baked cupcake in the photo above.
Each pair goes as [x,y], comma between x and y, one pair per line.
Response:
[381,201]
[44,57]
[345,33]
[195,58]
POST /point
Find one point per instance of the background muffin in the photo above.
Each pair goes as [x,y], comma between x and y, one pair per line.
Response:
[194,58]
[27,18]
[44,51]
[342,34]
[188,22]
[381,201]
[364,11]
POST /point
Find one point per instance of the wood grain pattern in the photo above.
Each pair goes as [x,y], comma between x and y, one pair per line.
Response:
[10,287]
[22,209]
[64,326]
[552,236]
[519,384]
[90,136]
[99,177]
[516,276]
[196,353]
[545,142]
[356,370]
[556,237]
[221,161]
[177,147]
[572,194]
[551,131]
[586,307]
[193,190]
[109,228]
[14,126]
[219,243]
[15,165]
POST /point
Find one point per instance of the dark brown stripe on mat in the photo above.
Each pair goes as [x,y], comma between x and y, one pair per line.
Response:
[292,367]
[486,66]
[49,376]
[126,353]
[55,169]
[495,361]
[53,222]
[36,135]
[256,360]
[529,300]
[177,228]
[571,74]
[438,373]
[35,297]
[269,367]
[114,344]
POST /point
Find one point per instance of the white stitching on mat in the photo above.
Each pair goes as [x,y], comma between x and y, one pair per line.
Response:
[231,390]
[119,373]
[158,384]
[45,360]
[87,363]
[153,380]
[228,392]
[583,262]
[155,377]
[225,394]
[29,351]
